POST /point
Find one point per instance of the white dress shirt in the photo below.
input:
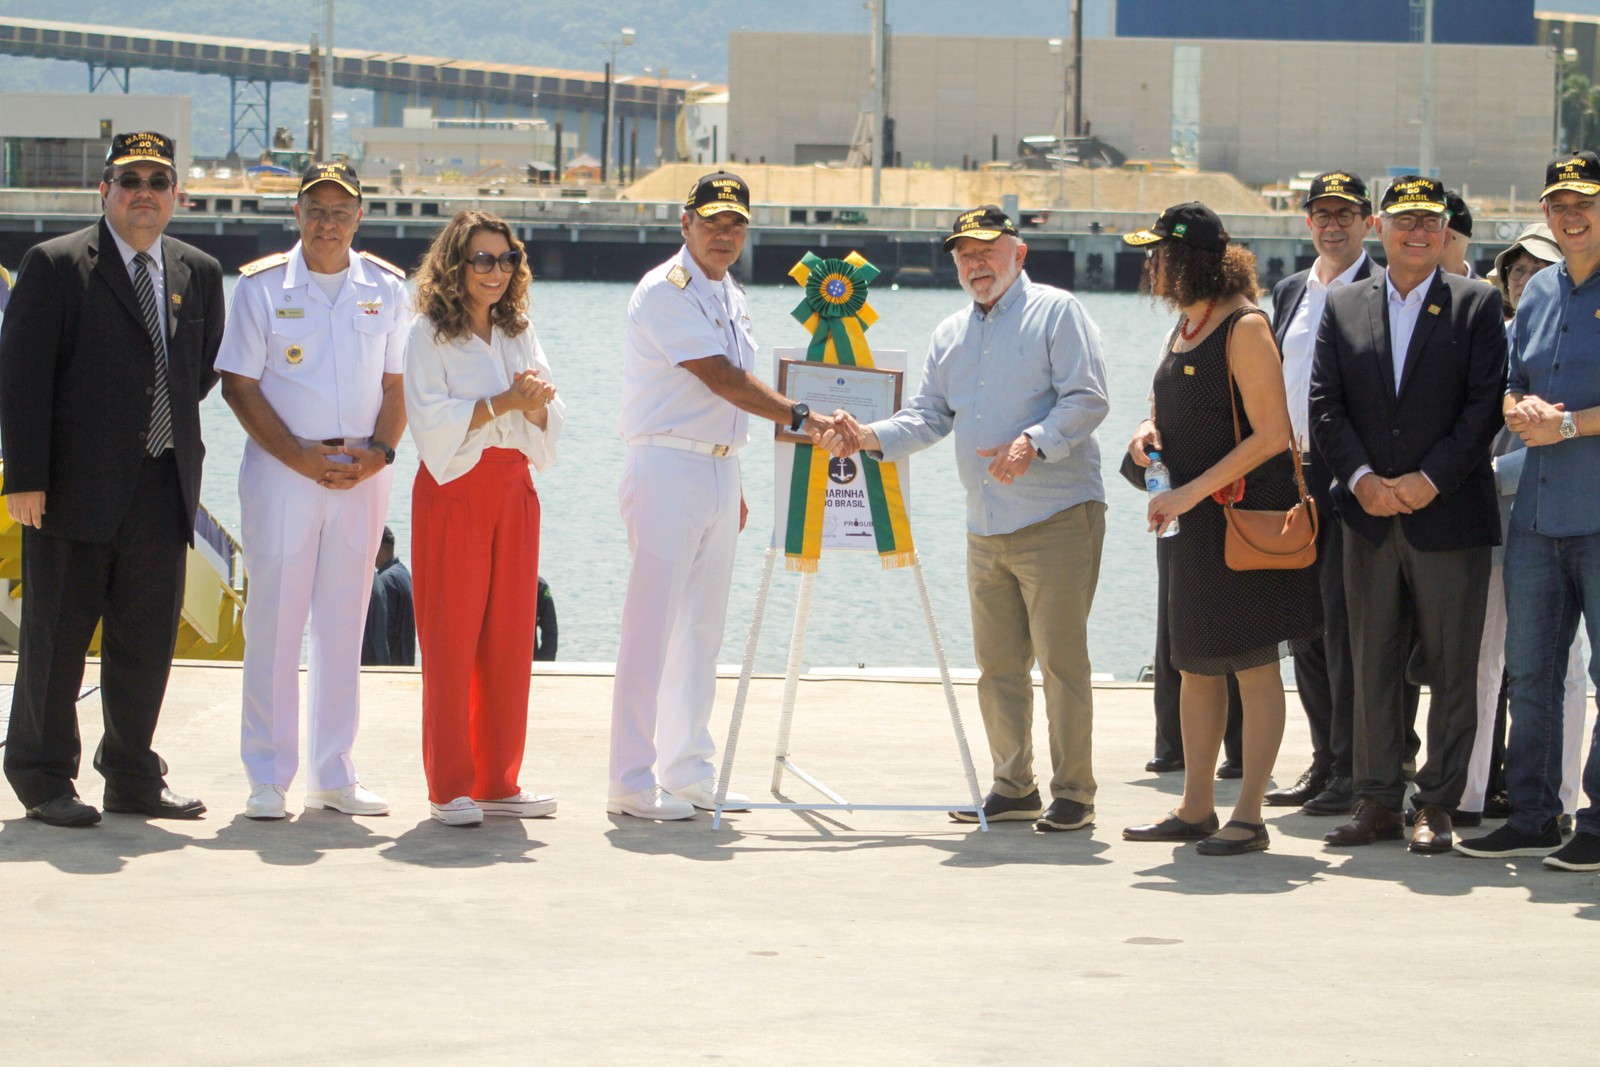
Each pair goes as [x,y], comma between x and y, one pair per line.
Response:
[1300,345]
[446,379]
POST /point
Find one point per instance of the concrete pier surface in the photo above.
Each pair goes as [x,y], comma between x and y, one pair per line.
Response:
[781,938]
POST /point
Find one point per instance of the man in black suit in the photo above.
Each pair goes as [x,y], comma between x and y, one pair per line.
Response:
[1405,394]
[105,354]
[1339,216]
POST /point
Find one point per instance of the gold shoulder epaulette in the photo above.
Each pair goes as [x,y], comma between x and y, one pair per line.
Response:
[385,264]
[277,259]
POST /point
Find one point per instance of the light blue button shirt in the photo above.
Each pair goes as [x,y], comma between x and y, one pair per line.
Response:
[1032,365]
[1555,355]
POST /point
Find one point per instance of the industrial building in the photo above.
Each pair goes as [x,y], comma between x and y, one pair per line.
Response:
[1262,110]
[59,140]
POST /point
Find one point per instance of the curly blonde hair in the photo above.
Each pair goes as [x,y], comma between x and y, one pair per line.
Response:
[441,280]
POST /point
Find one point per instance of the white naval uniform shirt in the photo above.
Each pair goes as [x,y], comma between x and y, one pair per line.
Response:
[667,326]
[320,362]
[446,379]
[1300,346]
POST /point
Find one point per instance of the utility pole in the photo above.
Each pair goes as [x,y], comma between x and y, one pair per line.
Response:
[615,45]
[327,83]
[879,94]
[1077,68]
[1425,150]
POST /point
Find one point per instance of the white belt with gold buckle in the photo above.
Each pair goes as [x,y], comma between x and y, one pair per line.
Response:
[685,444]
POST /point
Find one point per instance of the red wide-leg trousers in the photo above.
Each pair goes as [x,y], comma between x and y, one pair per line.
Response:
[475,582]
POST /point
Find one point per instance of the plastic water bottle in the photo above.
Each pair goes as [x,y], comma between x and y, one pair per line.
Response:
[1158,480]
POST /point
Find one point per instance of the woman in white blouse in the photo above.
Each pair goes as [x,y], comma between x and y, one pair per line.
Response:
[482,407]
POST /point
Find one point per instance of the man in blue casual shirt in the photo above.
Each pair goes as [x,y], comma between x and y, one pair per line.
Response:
[1552,558]
[1019,379]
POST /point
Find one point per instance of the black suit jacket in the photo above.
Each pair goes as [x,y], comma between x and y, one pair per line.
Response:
[1440,421]
[76,373]
[1287,295]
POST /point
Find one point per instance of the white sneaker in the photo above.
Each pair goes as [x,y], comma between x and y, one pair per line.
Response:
[523,805]
[703,795]
[353,799]
[266,802]
[459,812]
[651,803]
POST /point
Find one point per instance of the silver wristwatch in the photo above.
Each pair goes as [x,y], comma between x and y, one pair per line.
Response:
[1569,427]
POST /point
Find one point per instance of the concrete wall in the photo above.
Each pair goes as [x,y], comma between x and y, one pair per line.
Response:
[1267,111]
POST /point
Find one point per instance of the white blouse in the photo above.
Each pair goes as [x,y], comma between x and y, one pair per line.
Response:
[444,380]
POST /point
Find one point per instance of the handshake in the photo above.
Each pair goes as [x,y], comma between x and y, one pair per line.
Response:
[841,435]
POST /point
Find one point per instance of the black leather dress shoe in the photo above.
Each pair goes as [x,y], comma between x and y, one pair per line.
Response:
[1309,785]
[1457,817]
[1370,822]
[1229,846]
[65,810]
[1161,765]
[1173,828]
[1230,769]
[162,804]
[1336,798]
[1433,830]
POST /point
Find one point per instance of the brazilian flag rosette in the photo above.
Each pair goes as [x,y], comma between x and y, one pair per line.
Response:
[836,314]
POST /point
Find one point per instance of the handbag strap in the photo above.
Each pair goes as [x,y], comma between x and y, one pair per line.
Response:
[1233,402]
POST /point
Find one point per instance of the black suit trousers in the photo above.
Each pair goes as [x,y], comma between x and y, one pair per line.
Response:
[135,585]
[1399,596]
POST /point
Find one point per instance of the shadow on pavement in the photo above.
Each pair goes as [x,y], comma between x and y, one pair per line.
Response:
[432,844]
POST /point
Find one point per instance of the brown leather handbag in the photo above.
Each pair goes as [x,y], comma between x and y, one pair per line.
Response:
[1267,540]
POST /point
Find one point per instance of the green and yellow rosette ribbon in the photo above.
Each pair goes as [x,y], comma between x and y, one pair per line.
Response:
[836,314]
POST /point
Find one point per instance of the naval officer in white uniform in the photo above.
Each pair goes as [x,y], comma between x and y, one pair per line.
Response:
[311,364]
[687,393]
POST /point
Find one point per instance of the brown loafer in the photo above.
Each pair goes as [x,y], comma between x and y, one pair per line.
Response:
[1369,822]
[1432,830]
[1173,828]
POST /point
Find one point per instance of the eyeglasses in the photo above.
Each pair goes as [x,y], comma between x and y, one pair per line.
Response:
[157,183]
[1344,217]
[483,262]
[1431,223]
[339,216]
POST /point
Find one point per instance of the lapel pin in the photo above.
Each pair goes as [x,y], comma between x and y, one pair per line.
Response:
[177,300]
[1188,369]
[1433,309]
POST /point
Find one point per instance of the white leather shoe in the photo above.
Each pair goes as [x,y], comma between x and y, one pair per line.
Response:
[523,805]
[266,802]
[651,803]
[353,799]
[459,812]
[703,795]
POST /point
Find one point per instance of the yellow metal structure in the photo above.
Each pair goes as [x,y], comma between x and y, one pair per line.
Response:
[211,624]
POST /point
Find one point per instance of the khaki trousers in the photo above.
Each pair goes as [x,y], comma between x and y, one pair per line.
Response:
[1030,595]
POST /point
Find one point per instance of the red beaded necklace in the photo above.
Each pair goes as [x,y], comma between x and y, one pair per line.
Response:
[1190,335]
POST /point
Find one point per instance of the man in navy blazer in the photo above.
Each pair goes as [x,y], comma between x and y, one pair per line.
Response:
[1405,399]
[106,352]
[1339,217]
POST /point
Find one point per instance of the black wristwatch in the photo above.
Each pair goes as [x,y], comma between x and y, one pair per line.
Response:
[388,453]
[798,416]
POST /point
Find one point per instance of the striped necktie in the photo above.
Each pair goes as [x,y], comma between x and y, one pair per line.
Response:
[160,438]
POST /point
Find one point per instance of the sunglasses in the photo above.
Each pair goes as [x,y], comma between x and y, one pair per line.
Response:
[483,262]
[157,183]
[1430,223]
[1345,216]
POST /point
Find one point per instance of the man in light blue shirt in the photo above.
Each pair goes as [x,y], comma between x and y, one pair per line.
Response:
[1552,557]
[1018,377]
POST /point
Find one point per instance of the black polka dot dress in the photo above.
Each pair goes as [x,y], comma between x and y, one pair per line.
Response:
[1223,620]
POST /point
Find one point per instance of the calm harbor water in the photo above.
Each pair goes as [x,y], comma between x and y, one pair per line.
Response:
[583,552]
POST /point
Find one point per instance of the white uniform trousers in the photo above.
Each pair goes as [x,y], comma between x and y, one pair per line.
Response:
[1491,665]
[309,552]
[681,510]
